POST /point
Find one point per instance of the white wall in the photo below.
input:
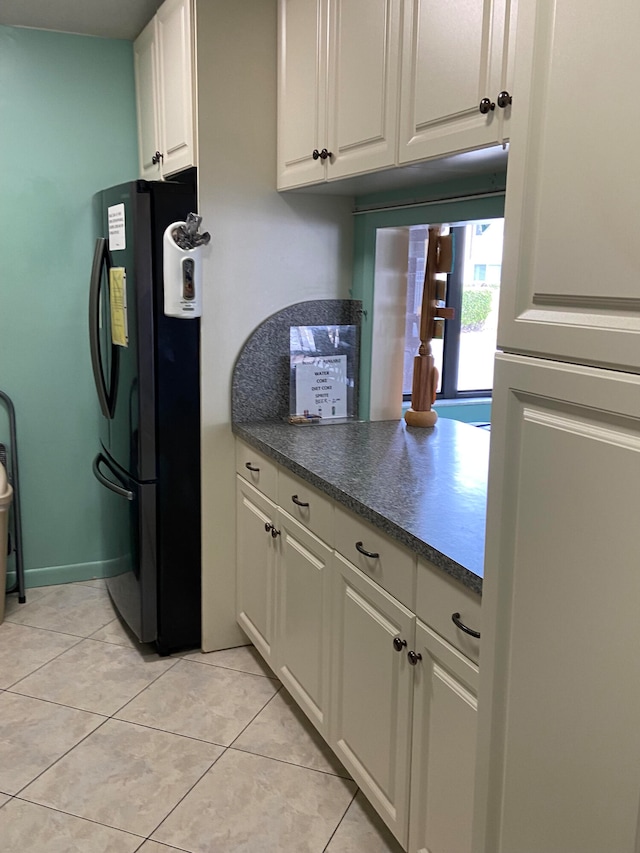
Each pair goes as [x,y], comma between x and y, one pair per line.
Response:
[267,251]
[389,323]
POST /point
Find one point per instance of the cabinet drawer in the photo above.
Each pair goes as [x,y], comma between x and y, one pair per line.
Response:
[257,469]
[307,505]
[438,597]
[391,565]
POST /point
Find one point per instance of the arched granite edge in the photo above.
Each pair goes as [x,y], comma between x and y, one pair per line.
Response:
[260,383]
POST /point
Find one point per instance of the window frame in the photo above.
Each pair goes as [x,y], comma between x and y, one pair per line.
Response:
[486,203]
[453,329]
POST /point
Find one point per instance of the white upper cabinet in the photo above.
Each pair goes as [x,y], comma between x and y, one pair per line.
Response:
[572,256]
[302,69]
[337,88]
[456,87]
[363,85]
[145,63]
[165,91]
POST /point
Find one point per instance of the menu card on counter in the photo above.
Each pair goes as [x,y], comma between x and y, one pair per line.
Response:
[323,363]
[321,387]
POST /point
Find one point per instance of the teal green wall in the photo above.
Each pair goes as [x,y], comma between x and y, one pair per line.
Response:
[68,129]
[401,208]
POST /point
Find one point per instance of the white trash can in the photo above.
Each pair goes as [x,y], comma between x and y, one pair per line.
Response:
[6,496]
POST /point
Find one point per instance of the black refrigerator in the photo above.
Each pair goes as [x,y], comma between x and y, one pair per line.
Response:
[147,374]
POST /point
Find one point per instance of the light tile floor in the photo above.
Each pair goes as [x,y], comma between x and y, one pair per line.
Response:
[107,748]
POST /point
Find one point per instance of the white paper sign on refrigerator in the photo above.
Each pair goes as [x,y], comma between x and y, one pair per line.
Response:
[117,228]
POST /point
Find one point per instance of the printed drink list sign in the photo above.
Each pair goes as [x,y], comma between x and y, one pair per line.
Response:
[321,387]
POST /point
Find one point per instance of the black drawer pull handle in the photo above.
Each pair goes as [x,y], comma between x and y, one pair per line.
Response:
[297,501]
[455,618]
[251,468]
[371,554]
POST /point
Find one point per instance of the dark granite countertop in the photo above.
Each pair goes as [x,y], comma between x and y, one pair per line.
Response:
[426,488]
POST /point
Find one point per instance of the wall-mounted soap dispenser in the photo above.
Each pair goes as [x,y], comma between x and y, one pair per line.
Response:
[182,250]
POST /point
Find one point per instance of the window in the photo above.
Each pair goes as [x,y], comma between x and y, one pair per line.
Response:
[464,357]
[382,237]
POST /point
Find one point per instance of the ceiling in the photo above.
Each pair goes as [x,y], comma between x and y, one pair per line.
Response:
[120,19]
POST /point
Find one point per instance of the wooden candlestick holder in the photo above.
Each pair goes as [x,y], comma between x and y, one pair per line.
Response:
[425,373]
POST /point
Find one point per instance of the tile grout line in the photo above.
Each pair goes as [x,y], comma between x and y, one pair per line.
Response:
[53,630]
[161,844]
[105,720]
[281,760]
[232,669]
[59,758]
[225,749]
[75,645]
[38,668]
[140,692]
[268,702]
[292,763]
[325,849]
[58,704]
[186,794]
[143,838]
[167,731]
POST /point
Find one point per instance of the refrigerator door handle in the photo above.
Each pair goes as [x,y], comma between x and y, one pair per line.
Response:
[105,396]
[105,481]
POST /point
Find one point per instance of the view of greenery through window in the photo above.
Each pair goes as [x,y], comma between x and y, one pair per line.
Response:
[465,357]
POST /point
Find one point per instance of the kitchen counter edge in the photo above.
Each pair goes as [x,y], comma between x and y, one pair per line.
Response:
[460,573]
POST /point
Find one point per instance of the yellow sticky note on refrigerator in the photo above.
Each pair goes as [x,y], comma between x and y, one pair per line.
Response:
[118,302]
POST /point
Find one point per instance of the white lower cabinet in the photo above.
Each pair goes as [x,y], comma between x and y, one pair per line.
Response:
[256,562]
[372,686]
[302,617]
[443,746]
[395,699]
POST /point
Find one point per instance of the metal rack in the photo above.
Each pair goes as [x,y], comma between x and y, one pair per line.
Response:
[14,479]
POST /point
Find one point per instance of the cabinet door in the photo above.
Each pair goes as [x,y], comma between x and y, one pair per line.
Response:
[571,249]
[256,559]
[302,91]
[145,66]
[444,747]
[363,85]
[176,85]
[559,705]
[452,57]
[302,608]
[371,690]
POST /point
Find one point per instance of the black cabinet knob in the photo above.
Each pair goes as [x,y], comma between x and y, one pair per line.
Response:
[316,154]
[324,154]
[504,100]
[157,157]
[268,527]
[274,533]
[414,657]
[399,644]
[486,106]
